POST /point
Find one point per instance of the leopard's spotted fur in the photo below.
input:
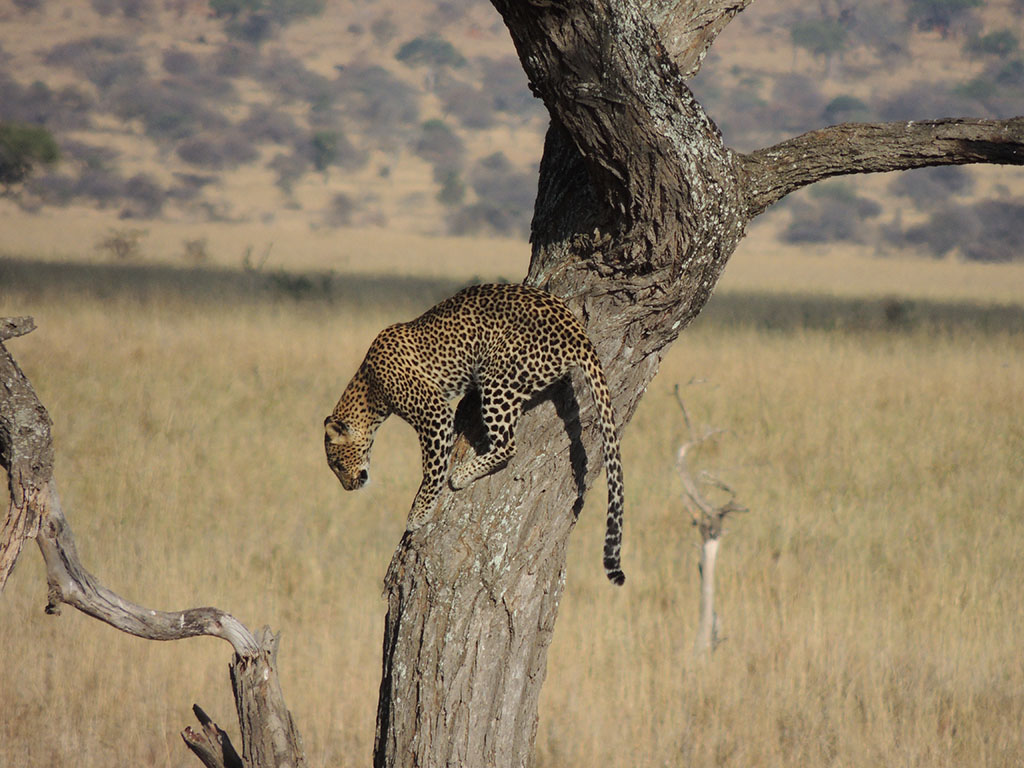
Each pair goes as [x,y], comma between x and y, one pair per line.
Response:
[508,342]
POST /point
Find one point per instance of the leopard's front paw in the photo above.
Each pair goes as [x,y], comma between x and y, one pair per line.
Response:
[461,477]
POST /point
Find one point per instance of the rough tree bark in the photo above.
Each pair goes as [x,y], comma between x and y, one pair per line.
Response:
[640,205]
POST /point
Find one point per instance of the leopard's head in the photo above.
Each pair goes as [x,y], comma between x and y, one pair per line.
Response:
[348,452]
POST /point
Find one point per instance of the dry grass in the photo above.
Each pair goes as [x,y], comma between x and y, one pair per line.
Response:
[871,598]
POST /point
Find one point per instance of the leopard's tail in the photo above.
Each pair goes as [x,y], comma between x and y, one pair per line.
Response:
[594,374]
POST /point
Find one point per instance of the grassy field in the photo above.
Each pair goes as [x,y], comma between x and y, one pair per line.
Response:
[871,598]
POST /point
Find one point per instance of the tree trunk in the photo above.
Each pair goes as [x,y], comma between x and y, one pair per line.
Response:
[639,207]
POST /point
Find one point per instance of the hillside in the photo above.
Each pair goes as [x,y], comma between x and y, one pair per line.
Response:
[416,117]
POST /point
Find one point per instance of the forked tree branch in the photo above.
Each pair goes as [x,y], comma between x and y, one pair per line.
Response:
[688,28]
[773,172]
[26,453]
[269,737]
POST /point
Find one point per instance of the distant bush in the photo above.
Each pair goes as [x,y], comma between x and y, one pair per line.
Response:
[1000,235]
[289,78]
[931,187]
[27,6]
[64,109]
[486,218]
[822,37]
[105,60]
[23,148]
[144,197]
[104,187]
[1010,74]
[235,59]
[383,29]
[846,109]
[168,110]
[495,181]
[196,251]
[218,151]
[376,98]
[266,124]
[830,212]
[468,104]
[122,244]
[289,169]
[178,62]
[328,148]
[452,191]
[1000,43]
[431,51]
[941,15]
[987,231]
[923,100]
[439,145]
[52,188]
[341,210]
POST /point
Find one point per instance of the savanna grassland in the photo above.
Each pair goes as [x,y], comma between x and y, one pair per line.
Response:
[870,598]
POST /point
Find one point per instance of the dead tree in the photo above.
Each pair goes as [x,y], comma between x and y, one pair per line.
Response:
[269,738]
[709,520]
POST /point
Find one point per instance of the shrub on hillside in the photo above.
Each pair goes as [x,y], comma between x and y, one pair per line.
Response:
[266,124]
[105,60]
[331,147]
[144,197]
[1000,43]
[376,98]
[341,210]
[830,212]
[430,51]
[439,145]
[101,186]
[168,110]
[988,231]
[468,104]
[289,78]
[846,109]
[289,169]
[66,108]
[177,62]
[218,151]
[931,187]
[495,181]
[23,148]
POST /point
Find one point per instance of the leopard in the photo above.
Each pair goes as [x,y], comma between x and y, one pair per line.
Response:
[509,342]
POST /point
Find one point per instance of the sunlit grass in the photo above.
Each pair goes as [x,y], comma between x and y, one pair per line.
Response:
[870,598]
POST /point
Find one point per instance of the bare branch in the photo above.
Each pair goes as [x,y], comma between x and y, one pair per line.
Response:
[772,173]
[11,327]
[211,744]
[26,452]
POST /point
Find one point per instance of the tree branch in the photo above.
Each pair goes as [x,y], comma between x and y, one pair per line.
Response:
[26,453]
[774,172]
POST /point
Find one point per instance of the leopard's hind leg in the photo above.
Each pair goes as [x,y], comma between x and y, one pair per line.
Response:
[500,409]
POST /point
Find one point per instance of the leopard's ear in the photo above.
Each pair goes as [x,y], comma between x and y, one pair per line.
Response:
[335,430]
